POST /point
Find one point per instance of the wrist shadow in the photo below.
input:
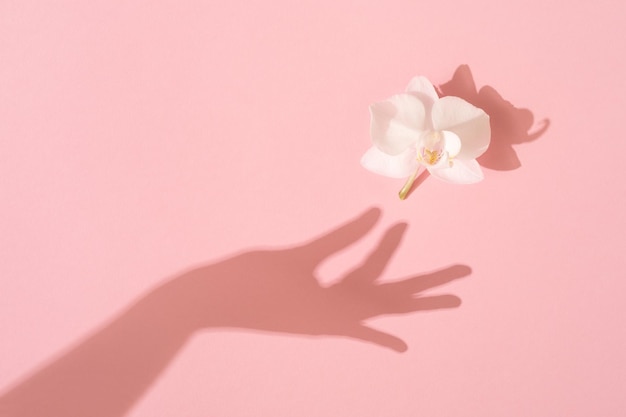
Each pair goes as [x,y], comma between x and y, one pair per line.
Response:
[510,125]
[262,290]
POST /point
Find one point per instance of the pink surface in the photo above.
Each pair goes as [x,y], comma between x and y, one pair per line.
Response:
[140,140]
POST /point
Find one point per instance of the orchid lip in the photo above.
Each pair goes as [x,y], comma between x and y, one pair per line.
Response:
[436,148]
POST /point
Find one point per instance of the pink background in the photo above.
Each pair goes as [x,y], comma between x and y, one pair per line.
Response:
[140,139]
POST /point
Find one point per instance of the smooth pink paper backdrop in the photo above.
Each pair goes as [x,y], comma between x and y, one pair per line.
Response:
[138,139]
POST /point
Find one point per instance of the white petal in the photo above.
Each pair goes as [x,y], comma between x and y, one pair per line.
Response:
[396,166]
[423,87]
[470,123]
[397,123]
[461,172]
[451,143]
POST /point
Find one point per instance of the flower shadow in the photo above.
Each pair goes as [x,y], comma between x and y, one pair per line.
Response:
[510,125]
[260,290]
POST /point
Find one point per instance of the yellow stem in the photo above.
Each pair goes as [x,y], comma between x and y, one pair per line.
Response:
[408,184]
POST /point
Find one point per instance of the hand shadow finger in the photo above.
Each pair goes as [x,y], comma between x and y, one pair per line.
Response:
[435,302]
[372,268]
[427,281]
[377,337]
[322,247]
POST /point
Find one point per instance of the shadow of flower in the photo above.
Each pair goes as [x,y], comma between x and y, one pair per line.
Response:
[510,125]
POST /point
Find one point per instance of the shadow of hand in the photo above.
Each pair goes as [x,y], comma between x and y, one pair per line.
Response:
[270,290]
[278,290]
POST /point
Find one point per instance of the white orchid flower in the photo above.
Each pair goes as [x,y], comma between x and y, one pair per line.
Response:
[417,129]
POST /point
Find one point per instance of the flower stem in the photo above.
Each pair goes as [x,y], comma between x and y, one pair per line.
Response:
[404,192]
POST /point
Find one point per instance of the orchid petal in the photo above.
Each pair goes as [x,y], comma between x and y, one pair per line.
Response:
[451,143]
[461,172]
[468,122]
[424,88]
[397,123]
[394,166]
